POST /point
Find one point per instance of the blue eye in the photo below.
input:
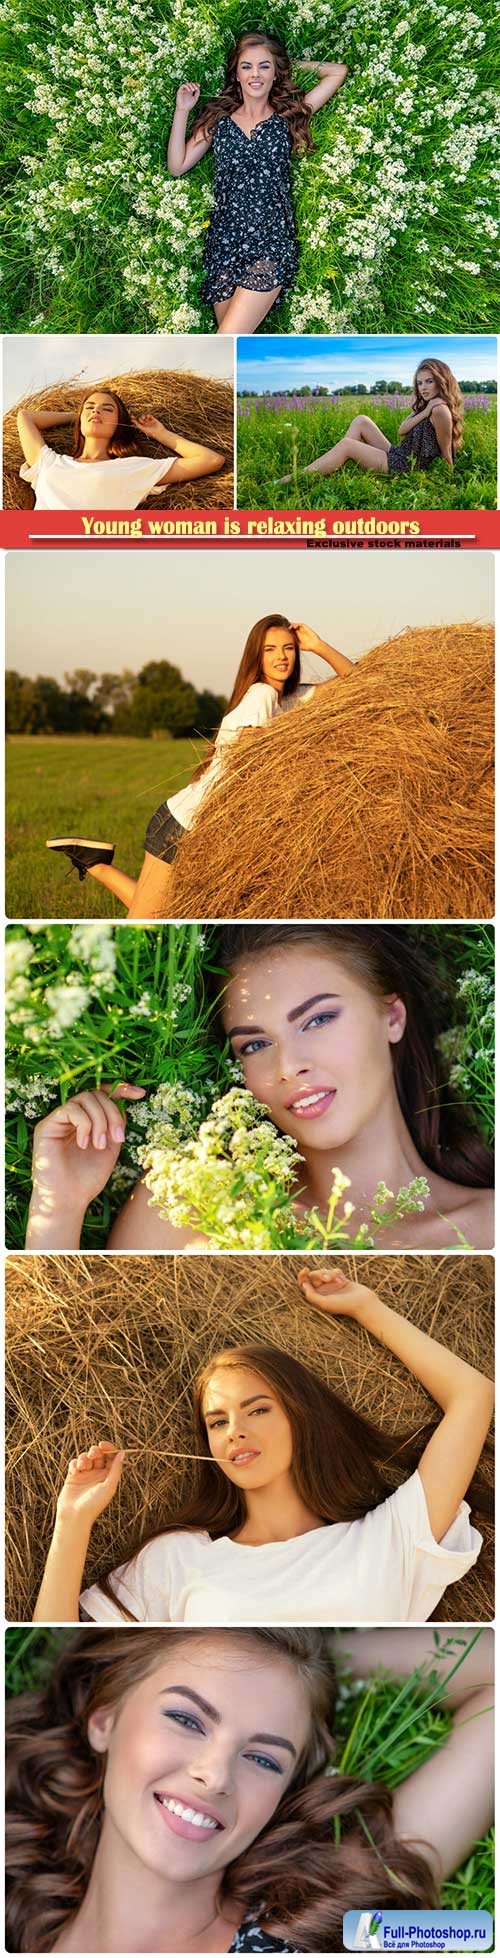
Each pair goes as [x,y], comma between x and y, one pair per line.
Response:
[265,1761]
[186,1720]
[251,1047]
[319,1020]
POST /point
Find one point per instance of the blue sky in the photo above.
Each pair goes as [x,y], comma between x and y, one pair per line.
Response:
[316,360]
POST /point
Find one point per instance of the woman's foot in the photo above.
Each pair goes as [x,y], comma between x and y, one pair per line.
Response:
[82,853]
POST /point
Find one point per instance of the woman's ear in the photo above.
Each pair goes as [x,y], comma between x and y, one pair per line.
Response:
[396,1019]
[99,1726]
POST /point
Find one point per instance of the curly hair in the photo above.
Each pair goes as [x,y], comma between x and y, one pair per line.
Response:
[449,391]
[287,100]
[300,1872]
[126,439]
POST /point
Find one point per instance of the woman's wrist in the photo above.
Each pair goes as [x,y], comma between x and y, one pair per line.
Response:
[49,1229]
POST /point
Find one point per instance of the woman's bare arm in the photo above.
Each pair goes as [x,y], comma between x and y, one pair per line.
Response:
[182,154]
[333,74]
[449,1801]
[139,1227]
[31,424]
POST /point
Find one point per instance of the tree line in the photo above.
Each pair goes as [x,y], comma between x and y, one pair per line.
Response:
[158,700]
[358,387]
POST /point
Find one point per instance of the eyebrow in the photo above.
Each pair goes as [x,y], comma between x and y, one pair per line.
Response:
[264,1396]
[276,1740]
[297,1010]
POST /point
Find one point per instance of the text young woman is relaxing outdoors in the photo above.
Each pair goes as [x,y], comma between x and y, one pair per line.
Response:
[267,683]
[335,1027]
[291,1515]
[170,1791]
[255,125]
[432,430]
[106,470]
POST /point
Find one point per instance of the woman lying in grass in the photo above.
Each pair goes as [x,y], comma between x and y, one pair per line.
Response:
[106,470]
[335,1029]
[291,1512]
[254,126]
[172,1790]
[432,430]
[268,682]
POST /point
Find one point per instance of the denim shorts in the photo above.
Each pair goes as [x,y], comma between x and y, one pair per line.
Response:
[163,834]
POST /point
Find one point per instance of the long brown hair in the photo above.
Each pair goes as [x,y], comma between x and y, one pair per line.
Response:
[342,1463]
[125,440]
[386,959]
[250,670]
[284,98]
[449,391]
[299,1872]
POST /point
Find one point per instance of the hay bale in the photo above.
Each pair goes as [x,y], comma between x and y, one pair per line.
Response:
[373,800]
[187,403]
[109,1346]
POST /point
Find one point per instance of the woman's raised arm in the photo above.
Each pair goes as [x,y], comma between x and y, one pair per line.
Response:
[32,424]
[91,1482]
[310,642]
[447,1803]
[333,74]
[448,1462]
[182,155]
[75,1149]
[194,458]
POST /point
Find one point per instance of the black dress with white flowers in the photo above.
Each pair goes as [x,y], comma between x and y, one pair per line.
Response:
[420,444]
[251,241]
[251,1937]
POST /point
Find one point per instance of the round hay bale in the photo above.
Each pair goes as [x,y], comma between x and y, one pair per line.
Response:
[109,1346]
[372,800]
[186,402]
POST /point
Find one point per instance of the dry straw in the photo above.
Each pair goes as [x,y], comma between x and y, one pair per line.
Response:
[372,800]
[108,1347]
[186,403]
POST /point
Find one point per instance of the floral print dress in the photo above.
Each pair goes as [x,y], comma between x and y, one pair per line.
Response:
[251,241]
[251,1937]
[420,444]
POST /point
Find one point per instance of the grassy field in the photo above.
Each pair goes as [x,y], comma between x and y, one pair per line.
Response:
[278,437]
[63,786]
[396,207]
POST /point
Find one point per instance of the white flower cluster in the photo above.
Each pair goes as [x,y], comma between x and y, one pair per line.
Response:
[31,1097]
[95,946]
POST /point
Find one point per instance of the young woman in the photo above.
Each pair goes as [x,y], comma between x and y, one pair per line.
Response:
[432,429]
[291,1515]
[106,470]
[335,1027]
[255,125]
[171,1791]
[267,683]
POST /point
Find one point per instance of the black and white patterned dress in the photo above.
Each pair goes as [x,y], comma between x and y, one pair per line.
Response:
[251,241]
[251,1937]
[420,444]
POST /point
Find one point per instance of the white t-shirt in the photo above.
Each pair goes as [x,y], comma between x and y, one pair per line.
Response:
[260,704]
[64,482]
[387,1566]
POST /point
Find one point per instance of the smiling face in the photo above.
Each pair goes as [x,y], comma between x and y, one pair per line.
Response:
[314,1042]
[99,416]
[248,1432]
[278,656]
[427,384]
[199,1754]
[255,72]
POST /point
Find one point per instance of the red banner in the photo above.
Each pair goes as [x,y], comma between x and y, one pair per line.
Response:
[303,529]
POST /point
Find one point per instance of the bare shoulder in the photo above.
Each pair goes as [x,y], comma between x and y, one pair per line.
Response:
[140,1227]
[442,413]
[472,1213]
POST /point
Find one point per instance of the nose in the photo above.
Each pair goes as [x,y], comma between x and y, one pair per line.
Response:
[290,1065]
[212,1769]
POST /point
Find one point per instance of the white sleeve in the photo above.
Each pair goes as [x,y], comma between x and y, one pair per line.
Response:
[149,471]
[427,1566]
[142,1585]
[255,710]
[31,471]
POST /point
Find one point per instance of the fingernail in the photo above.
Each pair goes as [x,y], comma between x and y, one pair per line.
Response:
[118,1133]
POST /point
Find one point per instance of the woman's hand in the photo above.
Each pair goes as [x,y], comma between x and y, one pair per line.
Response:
[149,425]
[309,640]
[91,1482]
[331,1291]
[75,1149]
[187,96]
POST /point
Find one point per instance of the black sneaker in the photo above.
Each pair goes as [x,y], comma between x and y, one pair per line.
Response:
[81,852]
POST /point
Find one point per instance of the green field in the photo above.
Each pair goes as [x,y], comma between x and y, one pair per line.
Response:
[278,439]
[97,787]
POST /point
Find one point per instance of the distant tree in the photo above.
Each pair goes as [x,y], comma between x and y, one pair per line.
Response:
[162,699]
[379,387]
[81,682]
[19,703]
[210,708]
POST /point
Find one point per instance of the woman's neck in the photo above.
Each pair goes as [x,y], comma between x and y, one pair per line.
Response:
[129,1907]
[94,451]
[251,113]
[276,1513]
[382,1151]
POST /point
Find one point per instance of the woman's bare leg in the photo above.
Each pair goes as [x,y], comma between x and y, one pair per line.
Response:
[349,449]
[220,310]
[114,880]
[151,894]
[246,309]
[362,429]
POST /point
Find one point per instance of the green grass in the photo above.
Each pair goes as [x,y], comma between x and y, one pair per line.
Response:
[71,786]
[382,1728]
[276,442]
[396,209]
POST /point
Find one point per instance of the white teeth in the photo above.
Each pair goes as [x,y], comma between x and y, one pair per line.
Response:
[308,1101]
[188,1814]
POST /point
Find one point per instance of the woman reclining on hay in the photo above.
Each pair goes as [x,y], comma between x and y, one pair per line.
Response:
[431,431]
[267,683]
[335,1028]
[106,470]
[292,1515]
